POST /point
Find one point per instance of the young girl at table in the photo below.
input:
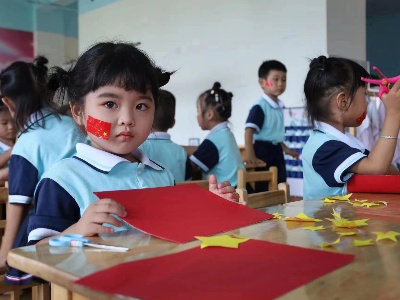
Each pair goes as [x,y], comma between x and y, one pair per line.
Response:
[44,137]
[335,98]
[7,140]
[219,153]
[113,92]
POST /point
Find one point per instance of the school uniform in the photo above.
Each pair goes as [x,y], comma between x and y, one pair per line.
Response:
[36,150]
[4,148]
[161,149]
[327,156]
[66,190]
[219,154]
[266,118]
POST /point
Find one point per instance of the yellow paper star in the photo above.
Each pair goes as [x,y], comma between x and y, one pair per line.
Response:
[302,217]
[277,215]
[227,241]
[370,204]
[341,198]
[336,215]
[365,200]
[327,200]
[349,224]
[356,204]
[361,243]
[323,245]
[390,235]
[314,228]
[348,233]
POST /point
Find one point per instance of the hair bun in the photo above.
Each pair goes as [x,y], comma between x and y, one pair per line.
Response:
[319,63]
[216,86]
[40,62]
[163,77]
[59,78]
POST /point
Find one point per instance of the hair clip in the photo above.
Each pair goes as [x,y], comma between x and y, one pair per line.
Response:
[216,97]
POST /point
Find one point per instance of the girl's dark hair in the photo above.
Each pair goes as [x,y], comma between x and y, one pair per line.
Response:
[25,84]
[326,78]
[218,99]
[164,116]
[109,63]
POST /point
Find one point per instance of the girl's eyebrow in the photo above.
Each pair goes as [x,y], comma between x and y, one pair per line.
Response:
[109,95]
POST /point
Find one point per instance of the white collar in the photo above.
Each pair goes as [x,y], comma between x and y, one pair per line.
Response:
[272,102]
[3,146]
[105,161]
[344,137]
[220,126]
[159,135]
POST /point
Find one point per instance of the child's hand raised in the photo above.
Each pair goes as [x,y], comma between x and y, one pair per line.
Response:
[96,214]
[392,99]
[223,189]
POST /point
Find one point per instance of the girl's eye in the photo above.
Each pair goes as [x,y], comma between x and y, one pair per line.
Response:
[110,104]
[141,106]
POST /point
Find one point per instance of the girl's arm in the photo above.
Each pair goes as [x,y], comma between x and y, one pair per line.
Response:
[289,151]
[5,157]
[379,161]
[96,214]
[249,147]
[15,215]
[4,174]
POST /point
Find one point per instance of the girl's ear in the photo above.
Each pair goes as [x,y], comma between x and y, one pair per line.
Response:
[10,105]
[342,101]
[209,114]
[77,114]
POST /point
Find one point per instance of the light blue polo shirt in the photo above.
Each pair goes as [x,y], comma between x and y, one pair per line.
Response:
[39,148]
[266,118]
[327,156]
[161,149]
[4,148]
[66,189]
[219,154]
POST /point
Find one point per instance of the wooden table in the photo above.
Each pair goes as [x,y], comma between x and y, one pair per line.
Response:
[373,274]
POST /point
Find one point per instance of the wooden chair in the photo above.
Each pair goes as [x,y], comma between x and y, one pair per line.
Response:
[203,183]
[271,176]
[264,199]
[40,291]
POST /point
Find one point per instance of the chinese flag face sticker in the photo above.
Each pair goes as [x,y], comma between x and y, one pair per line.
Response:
[98,128]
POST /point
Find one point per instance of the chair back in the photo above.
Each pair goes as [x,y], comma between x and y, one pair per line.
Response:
[203,183]
[264,199]
[271,176]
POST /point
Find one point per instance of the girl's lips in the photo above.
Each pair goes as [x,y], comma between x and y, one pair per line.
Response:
[125,133]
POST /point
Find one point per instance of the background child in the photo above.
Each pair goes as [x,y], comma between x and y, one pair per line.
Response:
[7,140]
[44,138]
[159,146]
[264,129]
[219,153]
[335,98]
[113,89]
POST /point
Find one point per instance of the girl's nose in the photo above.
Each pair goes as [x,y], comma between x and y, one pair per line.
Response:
[127,119]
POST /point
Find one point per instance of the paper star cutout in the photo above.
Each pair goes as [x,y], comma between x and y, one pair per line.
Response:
[356,204]
[383,202]
[390,235]
[370,204]
[314,228]
[361,243]
[365,200]
[323,245]
[341,198]
[349,224]
[336,214]
[277,215]
[302,217]
[327,200]
[227,241]
[347,233]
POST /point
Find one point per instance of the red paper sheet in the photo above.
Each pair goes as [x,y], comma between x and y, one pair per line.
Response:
[178,213]
[256,270]
[389,184]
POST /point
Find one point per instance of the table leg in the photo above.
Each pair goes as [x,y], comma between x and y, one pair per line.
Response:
[60,293]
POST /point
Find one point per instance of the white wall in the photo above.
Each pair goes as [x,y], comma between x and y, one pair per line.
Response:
[209,41]
[346,28]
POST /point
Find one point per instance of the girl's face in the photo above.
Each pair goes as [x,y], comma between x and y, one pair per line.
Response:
[130,114]
[7,128]
[357,109]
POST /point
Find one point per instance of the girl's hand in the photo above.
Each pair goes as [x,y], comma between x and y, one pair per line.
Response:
[223,189]
[392,99]
[252,160]
[292,153]
[96,214]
